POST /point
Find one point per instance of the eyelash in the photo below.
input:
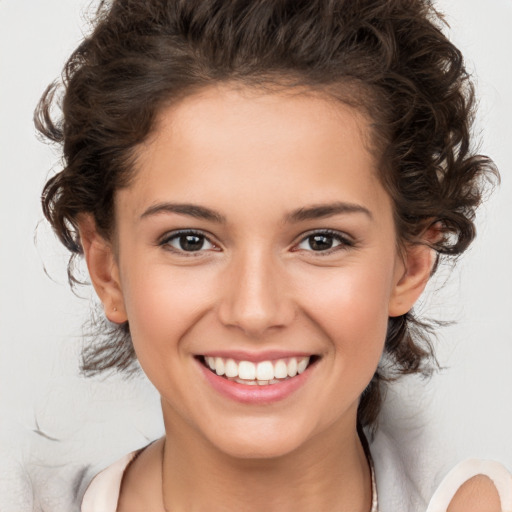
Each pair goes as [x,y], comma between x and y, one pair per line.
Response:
[344,241]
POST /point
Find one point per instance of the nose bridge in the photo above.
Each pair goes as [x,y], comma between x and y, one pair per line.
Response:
[257,296]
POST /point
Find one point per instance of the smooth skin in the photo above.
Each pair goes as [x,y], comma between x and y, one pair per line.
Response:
[253,178]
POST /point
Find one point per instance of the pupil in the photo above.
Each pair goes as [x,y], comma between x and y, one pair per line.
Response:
[191,242]
[320,242]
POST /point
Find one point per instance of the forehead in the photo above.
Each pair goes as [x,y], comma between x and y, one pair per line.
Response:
[271,118]
[287,146]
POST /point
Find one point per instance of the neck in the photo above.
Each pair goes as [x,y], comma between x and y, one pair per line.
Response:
[329,473]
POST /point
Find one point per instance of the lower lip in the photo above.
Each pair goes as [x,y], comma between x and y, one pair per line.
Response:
[255,394]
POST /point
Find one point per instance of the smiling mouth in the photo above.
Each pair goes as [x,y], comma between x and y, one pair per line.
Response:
[262,373]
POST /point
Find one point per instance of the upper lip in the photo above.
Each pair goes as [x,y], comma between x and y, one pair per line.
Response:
[255,357]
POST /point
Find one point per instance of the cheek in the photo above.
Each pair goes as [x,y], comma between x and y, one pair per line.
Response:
[352,308]
[162,304]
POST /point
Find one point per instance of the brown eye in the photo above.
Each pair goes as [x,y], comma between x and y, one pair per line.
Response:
[320,242]
[188,242]
[191,242]
[324,241]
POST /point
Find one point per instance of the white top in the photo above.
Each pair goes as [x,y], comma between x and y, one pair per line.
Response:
[103,493]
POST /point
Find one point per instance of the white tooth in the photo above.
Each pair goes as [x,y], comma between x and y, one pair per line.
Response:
[262,382]
[247,382]
[211,363]
[265,370]
[274,381]
[280,370]
[231,368]
[246,370]
[292,367]
[302,364]
[219,366]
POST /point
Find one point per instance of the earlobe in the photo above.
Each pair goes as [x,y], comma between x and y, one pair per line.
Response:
[411,279]
[103,269]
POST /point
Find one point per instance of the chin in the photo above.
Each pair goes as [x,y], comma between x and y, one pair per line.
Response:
[254,450]
[261,441]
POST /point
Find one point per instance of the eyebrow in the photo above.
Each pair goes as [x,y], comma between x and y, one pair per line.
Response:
[301,214]
[326,210]
[192,210]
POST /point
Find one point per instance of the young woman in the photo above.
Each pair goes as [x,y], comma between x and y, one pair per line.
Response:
[261,191]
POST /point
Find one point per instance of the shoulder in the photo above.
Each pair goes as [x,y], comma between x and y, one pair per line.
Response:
[474,486]
[478,494]
[404,485]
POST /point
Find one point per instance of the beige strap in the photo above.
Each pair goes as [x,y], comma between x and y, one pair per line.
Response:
[102,494]
[375,499]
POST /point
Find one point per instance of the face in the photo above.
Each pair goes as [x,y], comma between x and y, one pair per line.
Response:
[255,239]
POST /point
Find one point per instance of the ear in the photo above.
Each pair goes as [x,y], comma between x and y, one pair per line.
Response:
[412,274]
[103,269]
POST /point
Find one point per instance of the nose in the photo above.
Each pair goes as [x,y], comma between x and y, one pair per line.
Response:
[256,296]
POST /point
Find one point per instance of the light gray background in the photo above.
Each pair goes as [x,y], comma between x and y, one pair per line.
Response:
[466,411]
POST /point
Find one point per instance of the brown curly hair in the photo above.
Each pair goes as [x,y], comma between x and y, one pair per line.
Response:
[388,58]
